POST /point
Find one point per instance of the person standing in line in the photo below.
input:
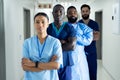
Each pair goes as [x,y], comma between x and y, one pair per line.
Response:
[90,50]
[84,38]
[67,36]
[42,53]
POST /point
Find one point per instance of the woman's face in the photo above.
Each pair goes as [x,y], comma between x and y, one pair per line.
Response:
[41,23]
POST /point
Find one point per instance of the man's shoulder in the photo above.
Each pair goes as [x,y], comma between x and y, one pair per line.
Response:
[93,21]
[83,26]
[50,24]
[49,27]
[80,20]
[68,25]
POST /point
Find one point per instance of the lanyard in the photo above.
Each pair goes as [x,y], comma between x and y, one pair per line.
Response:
[42,48]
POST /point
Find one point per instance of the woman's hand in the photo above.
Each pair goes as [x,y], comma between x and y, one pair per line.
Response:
[53,58]
[28,62]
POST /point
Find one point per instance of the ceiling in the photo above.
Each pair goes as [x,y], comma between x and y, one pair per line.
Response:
[52,1]
[49,3]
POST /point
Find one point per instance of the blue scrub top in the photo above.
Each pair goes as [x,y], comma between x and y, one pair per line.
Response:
[92,47]
[63,33]
[35,51]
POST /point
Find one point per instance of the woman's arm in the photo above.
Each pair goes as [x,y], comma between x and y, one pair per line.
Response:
[32,69]
[29,65]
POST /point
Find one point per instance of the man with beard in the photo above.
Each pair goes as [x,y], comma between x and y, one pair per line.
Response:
[67,36]
[84,36]
[90,50]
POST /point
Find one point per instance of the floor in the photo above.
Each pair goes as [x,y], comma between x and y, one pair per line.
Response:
[102,74]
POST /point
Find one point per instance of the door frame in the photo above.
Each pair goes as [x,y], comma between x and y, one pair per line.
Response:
[2,43]
[27,28]
[98,19]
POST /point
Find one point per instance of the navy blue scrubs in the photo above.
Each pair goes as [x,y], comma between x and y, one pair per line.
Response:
[63,33]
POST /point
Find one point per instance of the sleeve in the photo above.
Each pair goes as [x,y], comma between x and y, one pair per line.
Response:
[58,52]
[25,49]
[96,26]
[85,38]
[72,31]
[70,39]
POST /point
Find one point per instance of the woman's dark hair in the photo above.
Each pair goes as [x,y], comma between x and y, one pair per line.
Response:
[85,5]
[41,14]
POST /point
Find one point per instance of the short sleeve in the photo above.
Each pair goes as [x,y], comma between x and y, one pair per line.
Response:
[58,52]
[25,49]
[96,26]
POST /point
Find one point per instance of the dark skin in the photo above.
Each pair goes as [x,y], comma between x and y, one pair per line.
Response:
[72,13]
[58,15]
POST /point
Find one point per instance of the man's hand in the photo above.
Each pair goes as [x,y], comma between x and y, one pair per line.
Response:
[96,35]
[62,41]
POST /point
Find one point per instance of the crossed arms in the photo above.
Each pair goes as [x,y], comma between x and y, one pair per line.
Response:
[29,65]
[68,44]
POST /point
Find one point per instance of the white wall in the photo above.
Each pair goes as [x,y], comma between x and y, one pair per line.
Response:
[110,45]
[13,14]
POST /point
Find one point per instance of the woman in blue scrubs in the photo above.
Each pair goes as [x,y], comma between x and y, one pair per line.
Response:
[42,53]
[84,37]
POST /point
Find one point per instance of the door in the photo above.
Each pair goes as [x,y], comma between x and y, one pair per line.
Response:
[98,19]
[2,44]
[26,23]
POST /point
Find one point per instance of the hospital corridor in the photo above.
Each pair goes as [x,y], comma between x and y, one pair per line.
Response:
[17,24]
